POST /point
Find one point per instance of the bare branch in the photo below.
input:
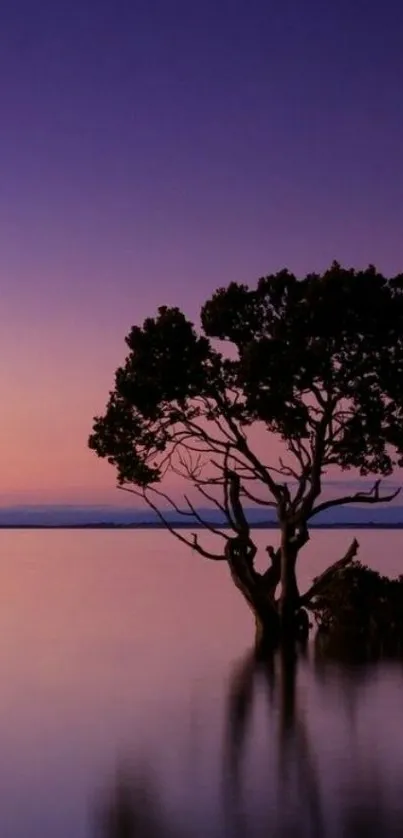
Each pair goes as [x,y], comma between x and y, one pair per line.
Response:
[216,557]
[287,470]
[243,448]
[203,522]
[258,501]
[372,496]
[192,465]
[248,472]
[300,452]
[216,445]
[323,580]
[194,545]
[217,503]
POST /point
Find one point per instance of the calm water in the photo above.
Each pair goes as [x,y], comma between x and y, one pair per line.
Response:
[126,680]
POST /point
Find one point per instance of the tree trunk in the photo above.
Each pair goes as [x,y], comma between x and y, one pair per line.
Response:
[267,629]
[289,596]
[275,620]
[257,589]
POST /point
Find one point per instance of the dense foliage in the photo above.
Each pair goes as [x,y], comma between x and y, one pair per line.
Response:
[322,349]
[361,607]
[316,363]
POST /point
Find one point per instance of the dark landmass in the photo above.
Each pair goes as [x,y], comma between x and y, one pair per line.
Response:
[179,525]
[59,516]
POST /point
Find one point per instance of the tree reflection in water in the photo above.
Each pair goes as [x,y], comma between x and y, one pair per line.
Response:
[132,809]
[300,810]
[300,805]
[276,675]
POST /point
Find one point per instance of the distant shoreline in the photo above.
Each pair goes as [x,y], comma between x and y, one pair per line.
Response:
[195,526]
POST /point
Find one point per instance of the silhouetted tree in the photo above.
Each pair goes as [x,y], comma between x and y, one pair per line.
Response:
[316,363]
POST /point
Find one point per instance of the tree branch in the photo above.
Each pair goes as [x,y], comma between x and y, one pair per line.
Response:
[227,505]
[192,544]
[216,502]
[243,448]
[318,451]
[234,492]
[203,522]
[287,471]
[302,456]
[258,501]
[372,496]
[321,581]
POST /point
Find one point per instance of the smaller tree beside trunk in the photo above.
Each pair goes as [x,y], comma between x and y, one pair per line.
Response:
[312,380]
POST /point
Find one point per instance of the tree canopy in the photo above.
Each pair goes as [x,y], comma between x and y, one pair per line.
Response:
[316,362]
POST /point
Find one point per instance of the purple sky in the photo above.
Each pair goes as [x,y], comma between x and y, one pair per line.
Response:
[153,150]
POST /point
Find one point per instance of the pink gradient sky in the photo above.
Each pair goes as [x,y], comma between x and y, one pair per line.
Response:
[135,172]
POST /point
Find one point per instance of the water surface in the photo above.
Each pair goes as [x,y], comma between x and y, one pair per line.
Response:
[127,680]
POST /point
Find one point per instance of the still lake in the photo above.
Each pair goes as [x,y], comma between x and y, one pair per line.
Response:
[126,679]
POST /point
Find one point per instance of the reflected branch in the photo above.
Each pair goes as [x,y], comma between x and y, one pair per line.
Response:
[132,808]
[277,674]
